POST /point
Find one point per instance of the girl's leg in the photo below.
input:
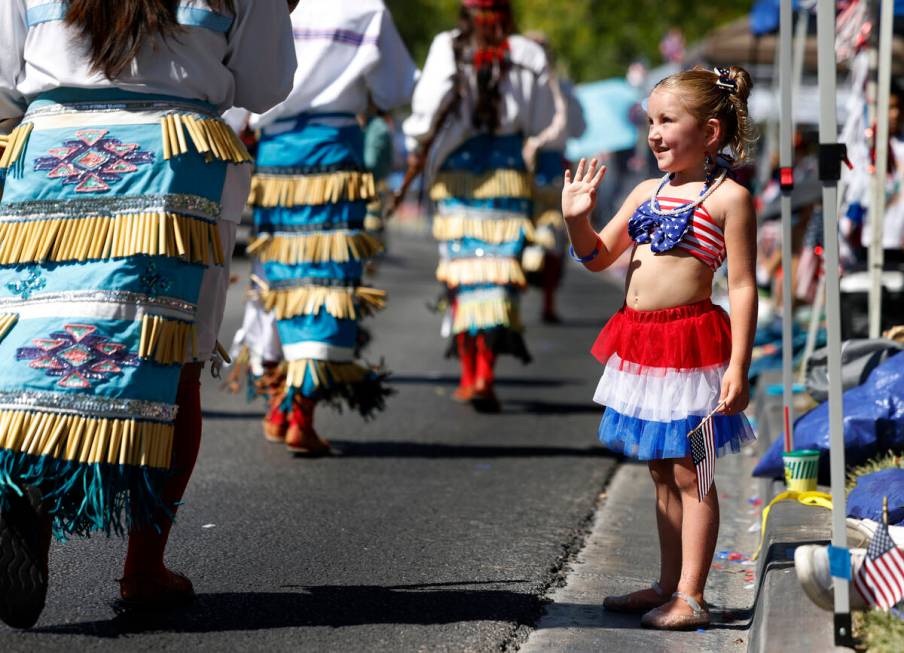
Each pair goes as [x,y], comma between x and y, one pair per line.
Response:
[668,523]
[699,531]
[144,567]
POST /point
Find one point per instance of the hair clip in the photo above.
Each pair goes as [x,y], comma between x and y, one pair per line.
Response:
[725,81]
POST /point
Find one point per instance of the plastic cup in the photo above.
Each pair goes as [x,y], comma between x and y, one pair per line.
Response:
[801,468]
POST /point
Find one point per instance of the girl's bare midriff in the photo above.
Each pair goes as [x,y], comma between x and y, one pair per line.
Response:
[673,278]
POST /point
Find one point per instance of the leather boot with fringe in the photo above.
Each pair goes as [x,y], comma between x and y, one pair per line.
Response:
[272,386]
[301,438]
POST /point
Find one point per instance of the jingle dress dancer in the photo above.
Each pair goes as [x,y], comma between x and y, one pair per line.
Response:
[547,152]
[310,194]
[483,90]
[121,192]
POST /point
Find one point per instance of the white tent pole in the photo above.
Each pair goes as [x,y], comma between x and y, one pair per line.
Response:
[877,209]
[830,155]
[786,18]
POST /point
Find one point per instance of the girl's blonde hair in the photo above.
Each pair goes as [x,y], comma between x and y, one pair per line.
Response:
[707,94]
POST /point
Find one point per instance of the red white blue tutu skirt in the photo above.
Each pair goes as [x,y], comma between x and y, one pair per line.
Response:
[663,375]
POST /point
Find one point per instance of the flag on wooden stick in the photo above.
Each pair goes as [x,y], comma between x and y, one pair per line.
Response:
[703,452]
[880,579]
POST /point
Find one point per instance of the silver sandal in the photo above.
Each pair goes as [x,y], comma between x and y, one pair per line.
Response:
[625,602]
[661,620]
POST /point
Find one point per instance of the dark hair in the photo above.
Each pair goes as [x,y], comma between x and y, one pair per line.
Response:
[897,89]
[117,30]
[473,39]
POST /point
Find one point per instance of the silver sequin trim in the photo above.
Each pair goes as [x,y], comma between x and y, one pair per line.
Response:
[88,405]
[109,206]
[118,106]
[101,296]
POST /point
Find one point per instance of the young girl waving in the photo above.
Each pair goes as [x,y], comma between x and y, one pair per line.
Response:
[671,357]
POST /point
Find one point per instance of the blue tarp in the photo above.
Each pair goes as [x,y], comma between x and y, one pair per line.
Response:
[873,422]
[764,16]
[865,500]
[606,106]
[769,338]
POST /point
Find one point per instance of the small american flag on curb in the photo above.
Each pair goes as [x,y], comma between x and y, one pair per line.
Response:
[703,452]
[880,578]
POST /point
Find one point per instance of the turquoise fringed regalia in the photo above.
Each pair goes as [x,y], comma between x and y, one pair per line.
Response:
[483,198]
[108,221]
[548,181]
[310,194]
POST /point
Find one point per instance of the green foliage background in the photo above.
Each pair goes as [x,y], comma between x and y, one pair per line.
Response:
[594,39]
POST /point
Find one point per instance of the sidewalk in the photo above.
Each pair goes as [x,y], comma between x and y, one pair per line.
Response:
[622,554]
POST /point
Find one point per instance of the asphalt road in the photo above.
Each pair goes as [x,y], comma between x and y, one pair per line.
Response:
[436,529]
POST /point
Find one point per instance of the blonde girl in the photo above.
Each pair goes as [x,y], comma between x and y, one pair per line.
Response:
[672,357]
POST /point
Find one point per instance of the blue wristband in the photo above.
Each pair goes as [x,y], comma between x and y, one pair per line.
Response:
[584,259]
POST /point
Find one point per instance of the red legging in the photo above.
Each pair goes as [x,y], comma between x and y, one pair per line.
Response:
[466,357]
[477,360]
[486,361]
[146,545]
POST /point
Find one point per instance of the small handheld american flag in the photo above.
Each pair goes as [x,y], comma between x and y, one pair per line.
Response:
[880,578]
[703,452]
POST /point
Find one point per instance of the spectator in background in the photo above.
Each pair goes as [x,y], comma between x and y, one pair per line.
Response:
[893,220]
[546,154]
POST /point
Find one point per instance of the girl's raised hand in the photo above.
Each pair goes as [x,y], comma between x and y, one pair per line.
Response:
[579,194]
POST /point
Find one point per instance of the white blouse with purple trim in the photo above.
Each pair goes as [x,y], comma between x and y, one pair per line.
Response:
[244,60]
[346,50]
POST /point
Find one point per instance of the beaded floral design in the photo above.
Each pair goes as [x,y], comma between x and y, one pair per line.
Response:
[25,287]
[79,355]
[92,161]
[154,282]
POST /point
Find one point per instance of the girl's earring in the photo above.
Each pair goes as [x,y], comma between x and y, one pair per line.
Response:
[709,168]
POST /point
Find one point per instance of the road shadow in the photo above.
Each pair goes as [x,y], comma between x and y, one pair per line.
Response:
[590,616]
[401,449]
[540,407]
[337,606]
[331,606]
[579,323]
[223,414]
[510,406]
[505,382]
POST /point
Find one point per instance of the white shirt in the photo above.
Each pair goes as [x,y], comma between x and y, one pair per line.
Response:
[527,103]
[245,60]
[346,50]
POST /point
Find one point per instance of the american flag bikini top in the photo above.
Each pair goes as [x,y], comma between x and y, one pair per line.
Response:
[667,222]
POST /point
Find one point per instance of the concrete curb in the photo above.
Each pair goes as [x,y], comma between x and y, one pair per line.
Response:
[784,619]
[621,554]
